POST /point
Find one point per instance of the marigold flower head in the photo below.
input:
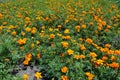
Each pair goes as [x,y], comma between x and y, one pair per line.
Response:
[38,55]
[117,52]
[66,31]
[22,41]
[107,45]
[27,29]
[64,69]
[82,47]
[1,16]
[63,77]
[82,56]
[13,33]
[114,65]
[84,26]
[93,54]
[52,36]
[70,51]
[25,76]
[77,28]
[38,75]
[25,62]
[89,75]
[65,44]
[76,57]
[113,58]
[104,58]
[88,40]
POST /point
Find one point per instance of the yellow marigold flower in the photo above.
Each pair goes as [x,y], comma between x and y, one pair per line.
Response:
[13,33]
[64,69]
[82,56]
[32,45]
[51,29]
[63,77]
[88,40]
[99,62]
[82,47]
[52,36]
[114,65]
[25,76]
[27,29]
[89,75]
[76,57]
[22,41]
[66,31]
[59,26]
[70,52]
[37,42]
[38,75]
[65,44]
[84,26]
[93,54]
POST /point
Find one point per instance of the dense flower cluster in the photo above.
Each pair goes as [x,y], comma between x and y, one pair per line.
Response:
[66,39]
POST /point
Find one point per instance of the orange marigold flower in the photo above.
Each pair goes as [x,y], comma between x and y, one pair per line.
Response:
[104,58]
[83,26]
[114,65]
[25,76]
[27,29]
[63,77]
[22,41]
[99,62]
[89,75]
[76,57]
[88,40]
[65,44]
[103,23]
[25,62]
[82,47]
[64,69]
[52,36]
[82,56]
[1,16]
[70,52]
[117,52]
[33,30]
[38,55]
[93,54]
[38,75]
[107,45]
[13,33]
[113,58]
